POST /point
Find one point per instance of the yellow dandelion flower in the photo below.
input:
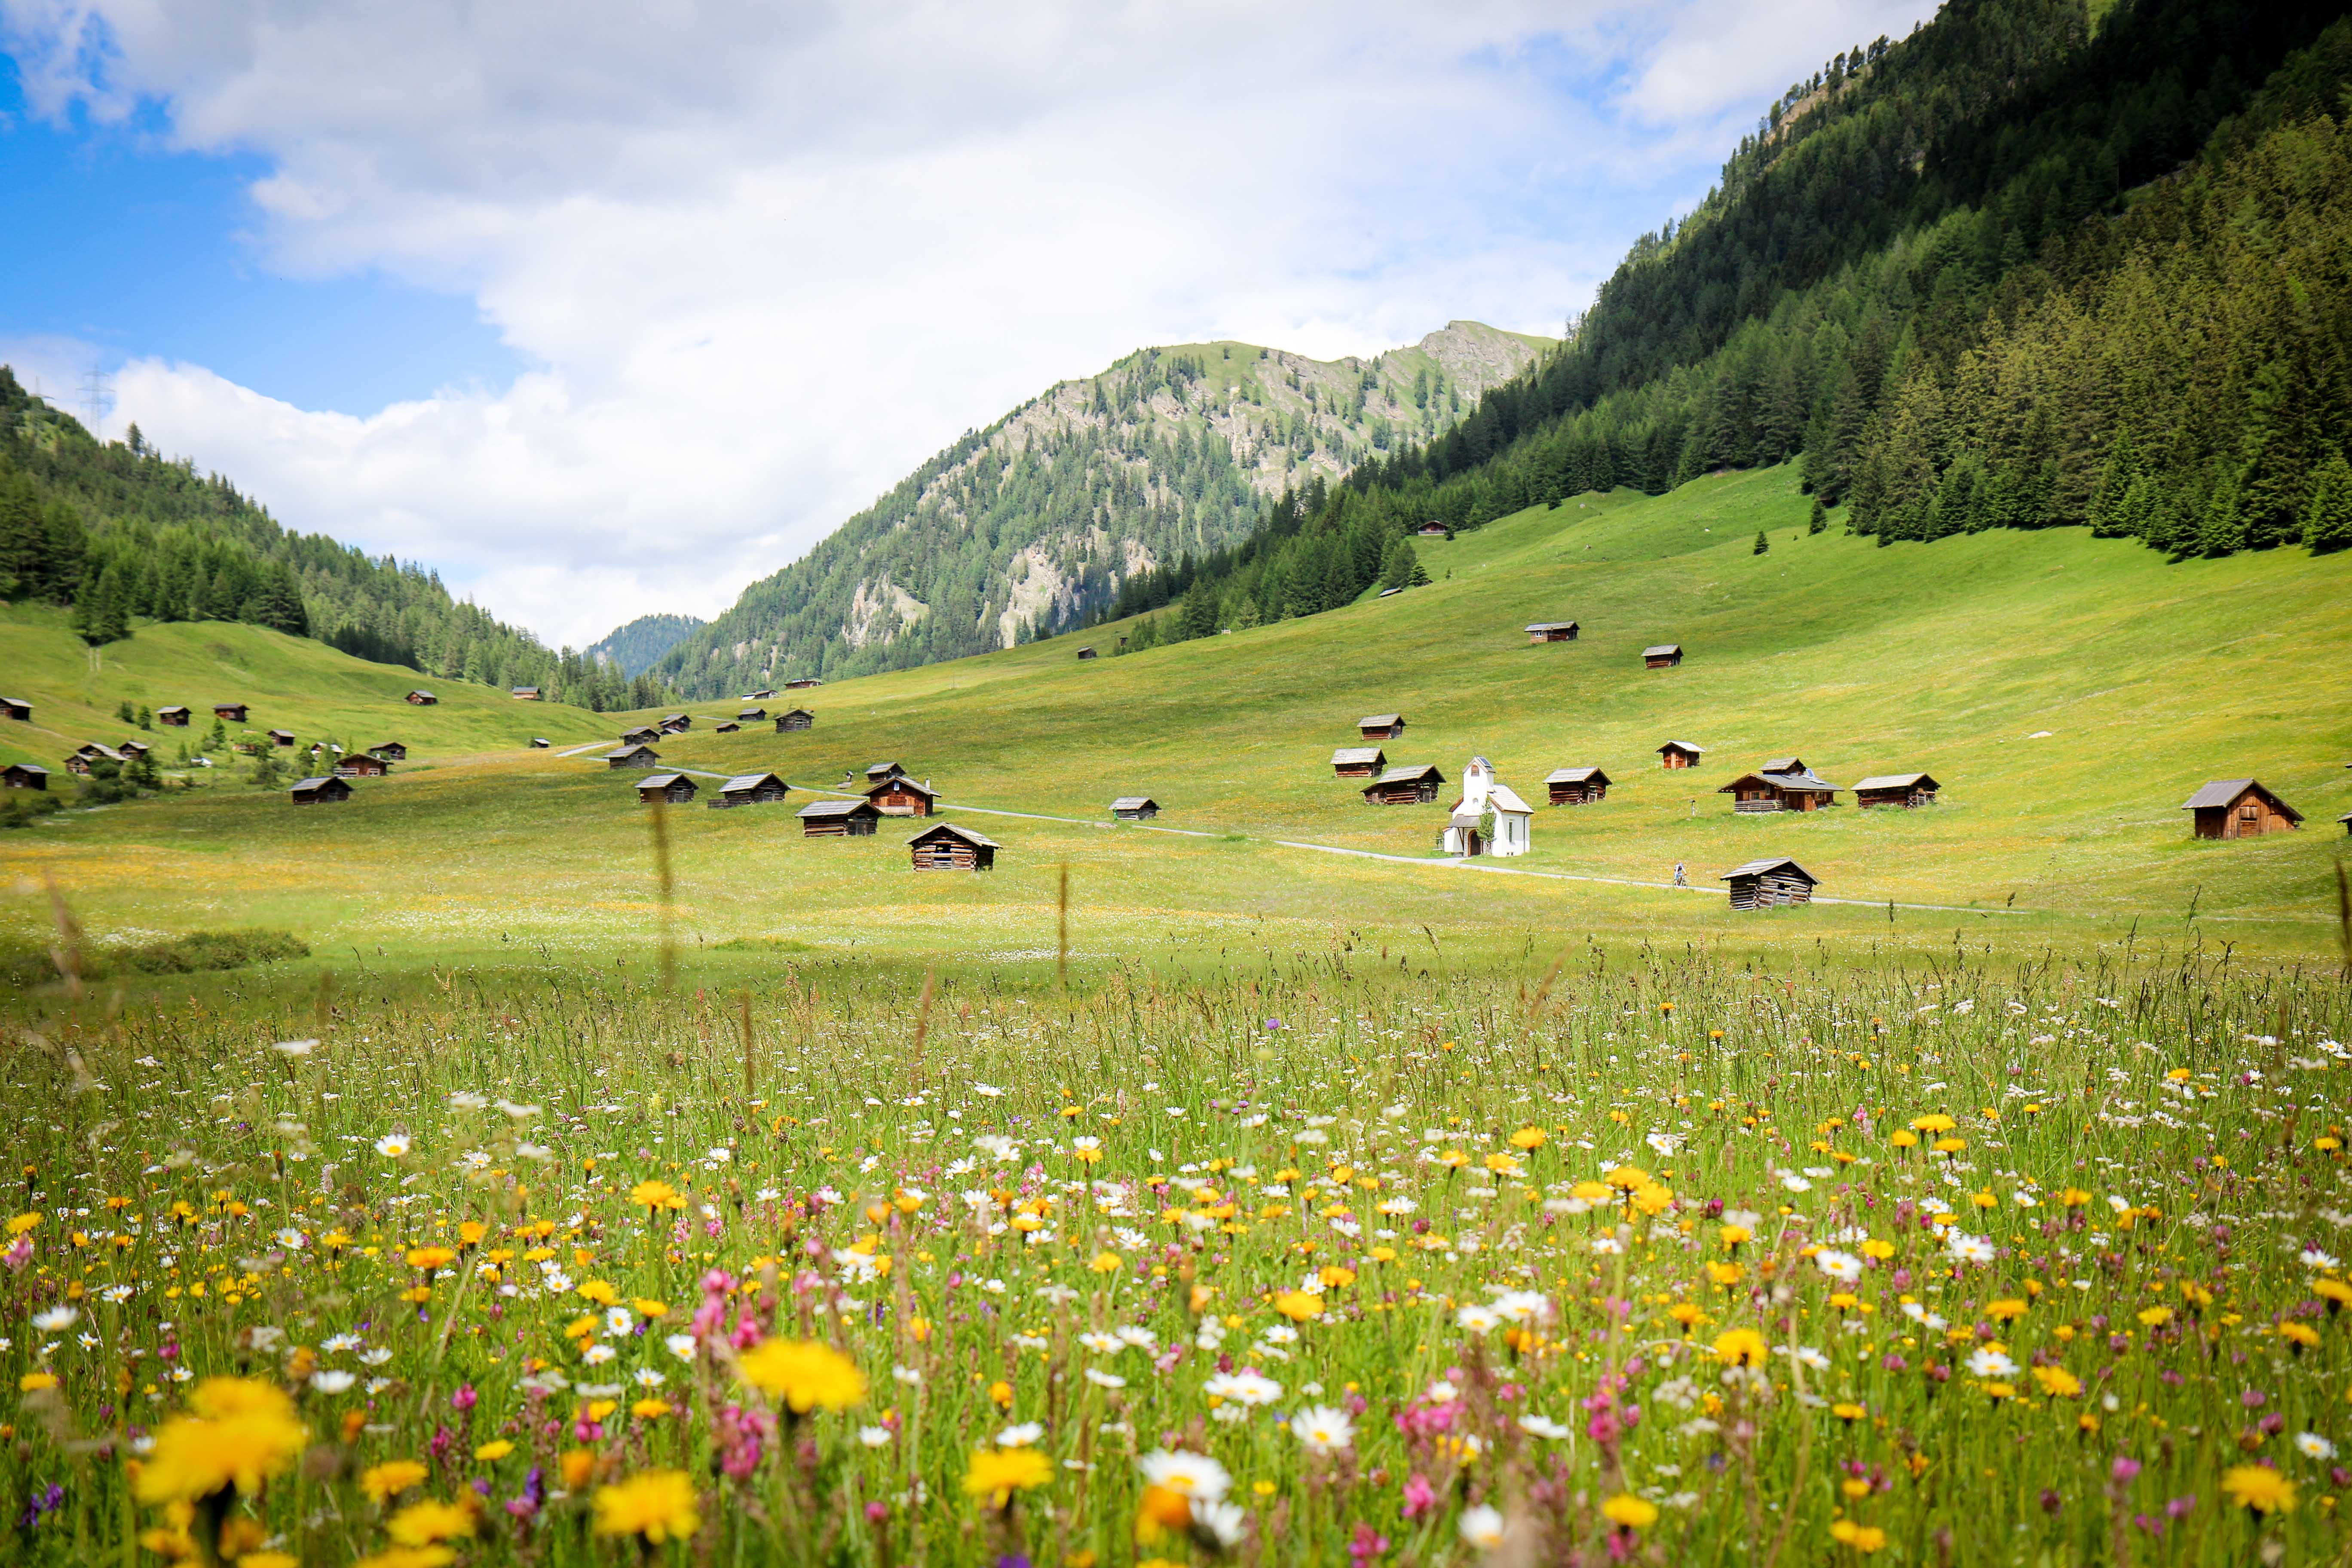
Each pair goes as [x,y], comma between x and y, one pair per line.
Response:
[656,1195]
[389,1480]
[1629,1512]
[2259,1488]
[1742,1347]
[997,1473]
[2057,1382]
[804,1375]
[655,1505]
[1298,1306]
[239,1432]
[429,1523]
[1865,1539]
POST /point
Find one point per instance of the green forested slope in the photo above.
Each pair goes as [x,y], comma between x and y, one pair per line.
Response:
[1033,523]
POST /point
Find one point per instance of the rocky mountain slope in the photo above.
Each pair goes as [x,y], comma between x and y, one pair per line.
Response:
[1019,530]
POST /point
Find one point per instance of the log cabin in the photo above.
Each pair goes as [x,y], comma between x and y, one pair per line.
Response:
[898,796]
[24,775]
[631,757]
[540,742]
[361,765]
[176,716]
[1664,655]
[1577,786]
[17,709]
[643,735]
[1432,531]
[523,693]
[803,684]
[838,819]
[1680,754]
[2345,819]
[1381,726]
[2239,808]
[751,789]
[1406,786]
[765,694]
[1359,762]
[1760,792]
[421,697]
[1089,653]
[234,712]
[725,727]
[946,848]
[1783,765]
[672,789]
[795,719]
[134,747]
[326,790]
[1135,808]
[676,723]
[92,751]
[880,770]
[1552,631]
[752,715]
[1908,791]
[391,752]
[1761,884]
[281,737]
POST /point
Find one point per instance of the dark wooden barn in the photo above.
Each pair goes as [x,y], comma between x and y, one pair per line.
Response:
[391,752]
[540,742]
[134,747]
[751,789]
[1664,655]
[803,684]
[2239,808]
[24,775]
[1577,786]
[92,751]
[175,717]
[17,709]
[1135,808]
[523,693]
[643,735]
[1906,791]
[1406,786]
[326,790]
[1431,531]
[1089,653]
[898,796]
[639,756]
[1765,792]
[676,723]
[795,719]
[1680,754]
[838,819]
[726,727]
[234,712]
[880,770]
[1760,884]
[281,737]
[1552,631]
[946,848]
[752,715]
[1359,762]
[1381,726]
[674,789]
[361,765]
[421,697]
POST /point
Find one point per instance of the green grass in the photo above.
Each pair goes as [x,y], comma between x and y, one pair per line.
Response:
[2151,678]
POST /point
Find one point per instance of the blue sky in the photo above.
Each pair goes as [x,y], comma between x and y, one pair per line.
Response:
[600,318]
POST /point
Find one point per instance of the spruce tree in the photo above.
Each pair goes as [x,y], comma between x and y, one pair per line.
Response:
[1762,543]
[2327,515]
[1820,518]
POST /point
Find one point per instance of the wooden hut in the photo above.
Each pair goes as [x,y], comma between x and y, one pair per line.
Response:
[1552,631]
[946,848]
[1135,808]
[2239,808]
[674,789]
[175,717]
[1432,531]
[751,789]
[523,693]
[881,771]
[1359,762]
[838,819]
[391,752]
[1783,765]
[540,742]
[637,756]
[361,765]
[1406,786]
[726,727]
[765,694]
[1760,884]
[803,684]
[1761,792]
[793,719]
[326,790]
[1680,754]
[2345,819]
[421,697]
[1904,790]
[24,775]
[232,712]
[281,737]
[134,747]
[643,735]
[898,796]
[1381,726]
[17,709]
[1577,786]
[82,761]
[752,715]
[1664,655]
[1089,653]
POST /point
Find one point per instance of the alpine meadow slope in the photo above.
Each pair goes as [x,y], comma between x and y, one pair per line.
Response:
[1028,526]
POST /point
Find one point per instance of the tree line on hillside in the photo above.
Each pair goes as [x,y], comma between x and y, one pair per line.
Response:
[2115,295]
[118,533]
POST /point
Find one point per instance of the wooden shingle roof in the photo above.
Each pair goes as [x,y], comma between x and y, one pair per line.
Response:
[950,830]
[2223,791]
[1896,781]
[1771,863]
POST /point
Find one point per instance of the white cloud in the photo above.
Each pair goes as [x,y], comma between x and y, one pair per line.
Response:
[764,259]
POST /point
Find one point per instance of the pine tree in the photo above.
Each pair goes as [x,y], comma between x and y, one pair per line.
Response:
[98,615]
[1820,518]
[2327,515]
[1762,543]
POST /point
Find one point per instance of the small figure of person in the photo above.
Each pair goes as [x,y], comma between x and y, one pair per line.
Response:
[1680,881]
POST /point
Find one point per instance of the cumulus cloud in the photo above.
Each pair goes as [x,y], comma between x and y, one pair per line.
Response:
[763,259]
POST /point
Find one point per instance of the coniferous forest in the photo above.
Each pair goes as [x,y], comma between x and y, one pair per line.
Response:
[119,534]
[2015,270]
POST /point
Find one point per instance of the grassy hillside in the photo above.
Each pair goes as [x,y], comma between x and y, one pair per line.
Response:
[292,683]
[2148,680]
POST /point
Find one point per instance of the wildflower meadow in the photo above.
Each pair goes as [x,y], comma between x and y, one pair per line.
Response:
[1651,1259]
